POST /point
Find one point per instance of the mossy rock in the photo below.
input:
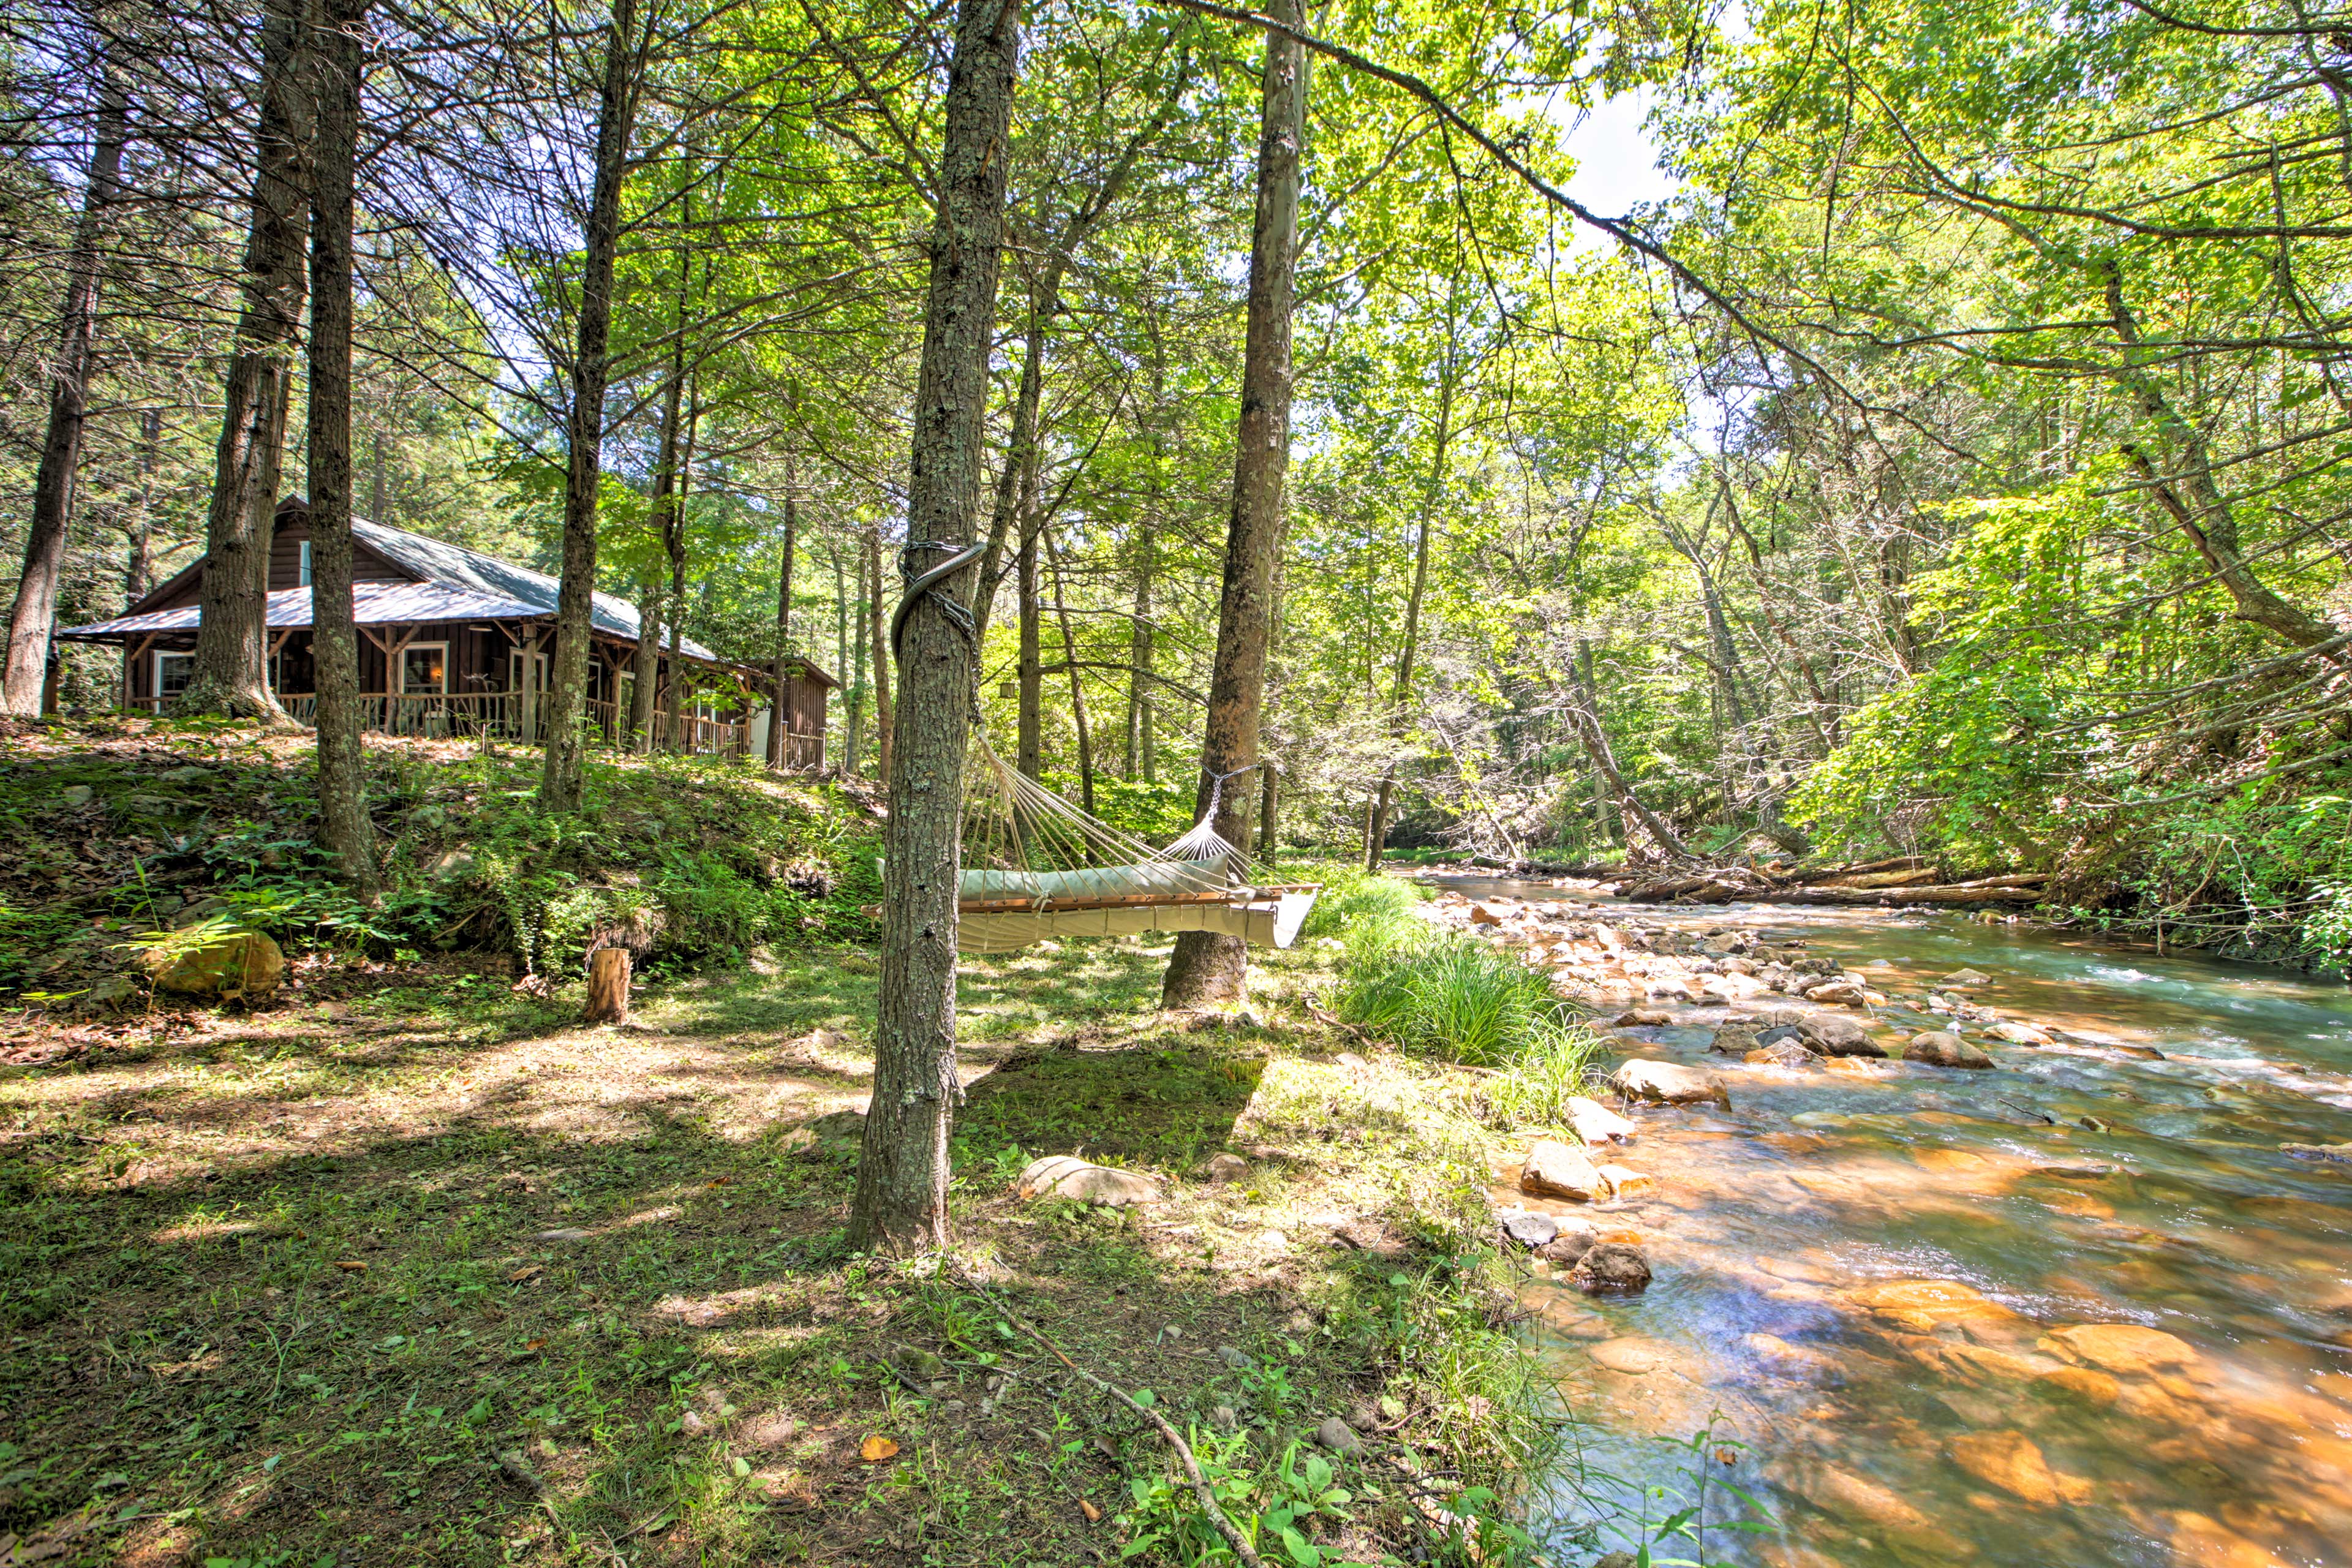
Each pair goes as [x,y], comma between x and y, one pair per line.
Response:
[235,964]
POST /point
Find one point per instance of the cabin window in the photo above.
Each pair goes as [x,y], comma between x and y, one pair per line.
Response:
[304,548]
[424,668]
[172,673]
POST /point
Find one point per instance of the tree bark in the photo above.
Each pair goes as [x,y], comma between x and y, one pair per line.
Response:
[231,671]
[673,533]
[33,621]
[1208,966]
[1020,451]
[343,827]
[559,785]
[782,672]
[877,650]
[1078,685]
[902,1175]
[1030,728]
[854,721]
[646,687]
[608,986]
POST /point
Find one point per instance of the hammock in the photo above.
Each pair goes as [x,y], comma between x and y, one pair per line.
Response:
[1038,867]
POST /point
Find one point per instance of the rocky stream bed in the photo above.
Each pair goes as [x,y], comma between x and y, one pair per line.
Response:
[1968,1243]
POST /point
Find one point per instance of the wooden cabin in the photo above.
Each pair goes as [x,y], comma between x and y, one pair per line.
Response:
[456,642]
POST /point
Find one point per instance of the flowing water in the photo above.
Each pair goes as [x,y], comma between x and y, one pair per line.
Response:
[1919,1300]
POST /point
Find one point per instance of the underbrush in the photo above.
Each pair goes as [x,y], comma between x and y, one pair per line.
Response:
[111,833]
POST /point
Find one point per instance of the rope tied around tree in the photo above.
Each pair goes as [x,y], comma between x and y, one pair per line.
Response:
[922,584]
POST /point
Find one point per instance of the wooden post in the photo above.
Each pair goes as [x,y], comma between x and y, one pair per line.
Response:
[608,986]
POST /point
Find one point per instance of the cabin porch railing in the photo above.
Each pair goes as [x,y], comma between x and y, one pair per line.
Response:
[515,715]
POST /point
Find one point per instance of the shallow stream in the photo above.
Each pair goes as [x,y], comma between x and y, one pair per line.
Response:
[1918,1299]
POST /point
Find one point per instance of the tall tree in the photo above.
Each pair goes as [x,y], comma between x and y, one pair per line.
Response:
[902,1174]
[231,671]
[1209,966]
[561,709]
[343,826]
[781,673]
[33,620]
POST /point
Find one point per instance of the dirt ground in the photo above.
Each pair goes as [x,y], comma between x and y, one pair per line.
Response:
[407,1268]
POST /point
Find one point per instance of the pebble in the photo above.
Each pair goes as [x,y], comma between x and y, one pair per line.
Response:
[1338,1436]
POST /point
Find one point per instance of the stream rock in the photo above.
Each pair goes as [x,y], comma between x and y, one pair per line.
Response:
[1835,1035]
[1785,1052]
[2124,1348]
[1553,1168]
[1669,1083]
[1966,977]
[1940,1049]
[2017,1034]
[1642,1017]
[1595,1123]
[1611,1267]
[1529,1229]
[2014,1463]
[1837,993]
[2339,1153]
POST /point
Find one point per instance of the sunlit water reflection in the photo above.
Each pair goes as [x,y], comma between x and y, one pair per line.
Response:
[1922,1299]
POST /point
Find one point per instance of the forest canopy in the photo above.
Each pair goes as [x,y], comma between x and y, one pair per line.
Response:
[1953,466]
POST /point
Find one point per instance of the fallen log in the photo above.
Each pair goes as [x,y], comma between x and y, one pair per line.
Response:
[1544,867]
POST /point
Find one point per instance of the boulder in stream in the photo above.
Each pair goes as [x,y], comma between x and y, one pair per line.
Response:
[2019,1033]
[1642,1017]
[1669,1083]
[1611,1268]
[1554,1169]
[1595,1123]
[2339,1153]
[1835,1035]
[1785,1052]
[1940,1049]
[1967,978]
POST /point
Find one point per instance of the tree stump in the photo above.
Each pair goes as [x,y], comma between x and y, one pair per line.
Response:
[608,986]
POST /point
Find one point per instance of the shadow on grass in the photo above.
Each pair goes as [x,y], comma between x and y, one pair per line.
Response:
[374,1353]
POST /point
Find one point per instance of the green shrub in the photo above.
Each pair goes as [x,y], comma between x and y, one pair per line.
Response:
[1451,995]
[1555,1064]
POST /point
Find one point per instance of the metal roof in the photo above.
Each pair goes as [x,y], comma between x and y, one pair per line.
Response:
[438,560]
[456,584]
[372,605]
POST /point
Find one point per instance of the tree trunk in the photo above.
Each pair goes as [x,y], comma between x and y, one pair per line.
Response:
[231,671]
[559,785]
[1028,753]
[343,827]
[644,690]
[139,573]
[782,672]
[1376,832]
[1020,451]
[902,1174]
[680,460]
[854,721]
[1208,966]
[1078,685]
[876,647]
[1269,773]
[1584,715]
[33,619]
[608,986]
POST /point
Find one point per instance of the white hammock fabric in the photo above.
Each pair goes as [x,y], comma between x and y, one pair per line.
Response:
[1038,867]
